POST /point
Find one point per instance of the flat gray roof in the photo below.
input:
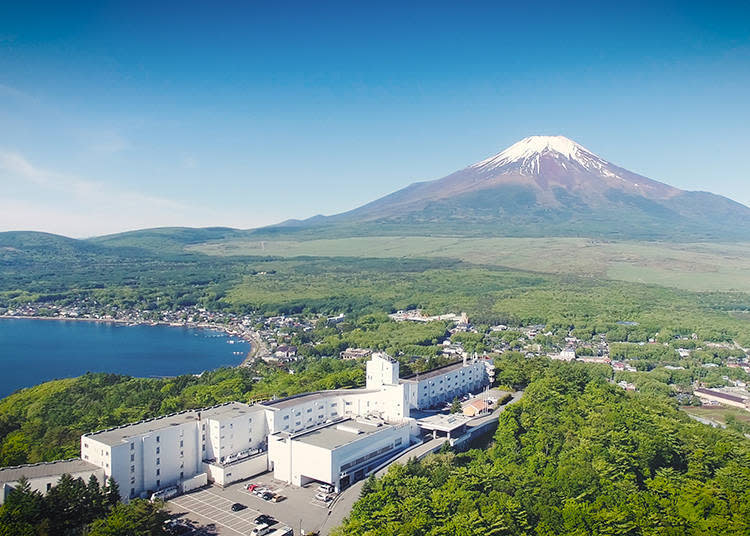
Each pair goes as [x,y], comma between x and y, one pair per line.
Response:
[38,470]
[340,433]
[293,400]
[116,436]
[445,369]
[444,423]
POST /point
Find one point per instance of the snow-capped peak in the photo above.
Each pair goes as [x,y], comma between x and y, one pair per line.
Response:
[527,152]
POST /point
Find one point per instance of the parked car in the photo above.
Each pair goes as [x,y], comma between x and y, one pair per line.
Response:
[260,530]
[323,497]
[278,498]
[251,487]
[264,519]
[325,488]
[267,496]
[260,491]
[236,507]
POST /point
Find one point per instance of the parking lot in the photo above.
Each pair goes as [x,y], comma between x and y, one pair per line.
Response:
[211,508]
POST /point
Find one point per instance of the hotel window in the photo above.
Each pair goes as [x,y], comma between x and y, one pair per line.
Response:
[132,480]
[182,454]
[203,426]
[132,457]
[132,468]
[158,472]
[181,442]
[157,450]
[158,461]
[204,448]
[158,483]
[286,417]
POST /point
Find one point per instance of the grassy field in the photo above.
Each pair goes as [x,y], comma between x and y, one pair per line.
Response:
[697,267]
[718,413]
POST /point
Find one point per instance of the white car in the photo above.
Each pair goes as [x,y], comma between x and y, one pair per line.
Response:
[324,488]
[323,497]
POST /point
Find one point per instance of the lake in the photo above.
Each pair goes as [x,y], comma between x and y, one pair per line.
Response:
[34,351]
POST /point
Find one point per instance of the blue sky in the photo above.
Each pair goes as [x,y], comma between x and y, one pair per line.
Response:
[124,115]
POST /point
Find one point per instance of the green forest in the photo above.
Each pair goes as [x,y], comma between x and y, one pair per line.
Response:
[73,507]
[577,455]
[48,270]
[45,422]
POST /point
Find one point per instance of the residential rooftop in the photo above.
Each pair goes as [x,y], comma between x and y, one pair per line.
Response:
[39,470]
[120,434]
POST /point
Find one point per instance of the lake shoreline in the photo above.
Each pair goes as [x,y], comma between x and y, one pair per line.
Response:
[248,338]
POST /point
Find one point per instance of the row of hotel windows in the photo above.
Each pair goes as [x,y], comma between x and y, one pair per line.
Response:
[372,455]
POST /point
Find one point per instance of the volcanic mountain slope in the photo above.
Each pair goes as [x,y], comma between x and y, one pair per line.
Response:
[544,186]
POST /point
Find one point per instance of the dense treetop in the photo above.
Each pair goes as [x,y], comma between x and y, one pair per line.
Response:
[575,456]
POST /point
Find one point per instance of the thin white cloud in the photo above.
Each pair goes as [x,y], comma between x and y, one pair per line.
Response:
[74,206]
[109,142]
[189,162]
[10,91]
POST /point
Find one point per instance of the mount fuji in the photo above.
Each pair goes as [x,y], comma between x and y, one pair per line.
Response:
[542,186]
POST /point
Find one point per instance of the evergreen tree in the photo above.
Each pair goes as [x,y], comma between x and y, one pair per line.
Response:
[95,499]
[112,493]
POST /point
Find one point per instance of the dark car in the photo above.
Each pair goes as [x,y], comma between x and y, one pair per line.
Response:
[267,496]
[236,507]
[264,519]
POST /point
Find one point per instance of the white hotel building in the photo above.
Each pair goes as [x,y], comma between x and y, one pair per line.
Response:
[336,437]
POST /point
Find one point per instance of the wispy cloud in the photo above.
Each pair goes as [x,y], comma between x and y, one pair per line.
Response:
[10,91]
[189,162]
[76,206]
[109,142]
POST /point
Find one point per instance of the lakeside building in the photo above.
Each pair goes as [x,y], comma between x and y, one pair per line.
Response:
[336,437]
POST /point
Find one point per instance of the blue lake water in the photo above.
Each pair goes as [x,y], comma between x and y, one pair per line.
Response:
[34,351]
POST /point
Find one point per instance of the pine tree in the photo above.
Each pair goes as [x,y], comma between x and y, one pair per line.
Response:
[95,499]
[112,493]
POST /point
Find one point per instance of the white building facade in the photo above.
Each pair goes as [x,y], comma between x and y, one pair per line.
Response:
[300,437]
